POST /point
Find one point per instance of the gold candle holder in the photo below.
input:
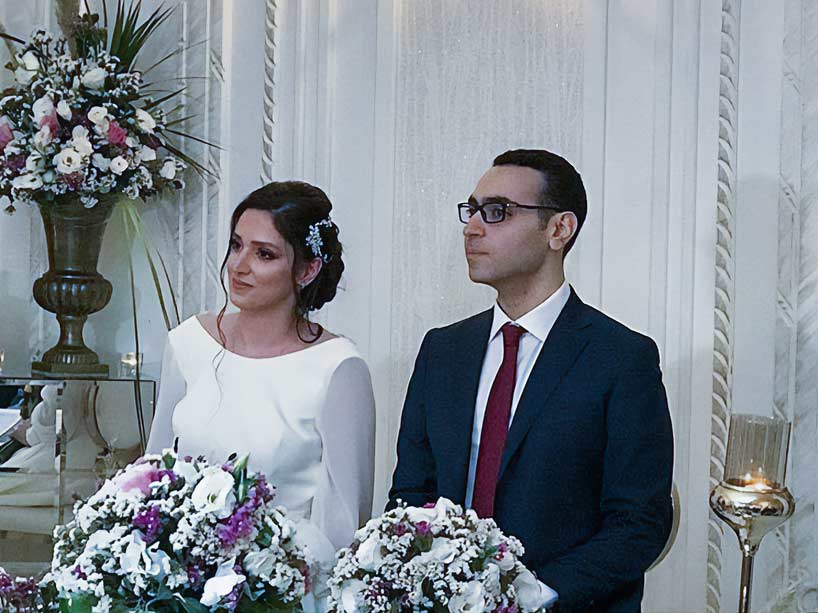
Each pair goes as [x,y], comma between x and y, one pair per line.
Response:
[752,498]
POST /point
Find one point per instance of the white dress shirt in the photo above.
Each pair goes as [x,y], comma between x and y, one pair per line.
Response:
[537,324]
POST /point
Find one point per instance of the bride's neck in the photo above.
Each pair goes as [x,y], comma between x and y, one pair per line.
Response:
[261,331]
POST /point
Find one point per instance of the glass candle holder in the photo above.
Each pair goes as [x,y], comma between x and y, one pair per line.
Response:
[127,365]
[757,452]
[752,498]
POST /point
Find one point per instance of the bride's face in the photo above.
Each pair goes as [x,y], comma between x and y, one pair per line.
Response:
[260,264]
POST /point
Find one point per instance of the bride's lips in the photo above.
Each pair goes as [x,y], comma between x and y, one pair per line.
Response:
[239,285]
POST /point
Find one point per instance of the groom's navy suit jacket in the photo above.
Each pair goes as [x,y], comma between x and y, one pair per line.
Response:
[586,472]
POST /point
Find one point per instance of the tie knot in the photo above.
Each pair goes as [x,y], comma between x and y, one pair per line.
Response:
[511,335]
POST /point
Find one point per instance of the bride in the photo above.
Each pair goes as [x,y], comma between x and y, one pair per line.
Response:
[266,381]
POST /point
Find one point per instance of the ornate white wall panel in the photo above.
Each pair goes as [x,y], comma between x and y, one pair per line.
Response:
[724,325]
[462,98]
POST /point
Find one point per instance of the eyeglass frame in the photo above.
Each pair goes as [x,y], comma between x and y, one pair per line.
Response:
[505,204]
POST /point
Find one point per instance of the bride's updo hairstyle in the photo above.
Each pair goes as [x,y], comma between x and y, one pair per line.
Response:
[301,214]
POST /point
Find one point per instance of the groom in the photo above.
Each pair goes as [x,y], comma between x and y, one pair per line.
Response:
[543,412]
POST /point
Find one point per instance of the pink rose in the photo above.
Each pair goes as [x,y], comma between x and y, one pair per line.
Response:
[52,122]
[116,134]
[6,135]
[139,477]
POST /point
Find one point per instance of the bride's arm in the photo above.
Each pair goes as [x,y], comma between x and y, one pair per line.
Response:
[347,428]
[172,389]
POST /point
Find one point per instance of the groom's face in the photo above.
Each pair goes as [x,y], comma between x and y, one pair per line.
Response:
[515,249]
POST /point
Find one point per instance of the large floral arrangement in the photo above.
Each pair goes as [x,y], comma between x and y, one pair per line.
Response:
[79,121]
[434,558]
[179,535]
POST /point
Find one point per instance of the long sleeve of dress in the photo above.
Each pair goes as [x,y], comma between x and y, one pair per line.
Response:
[343,501]
[172,389]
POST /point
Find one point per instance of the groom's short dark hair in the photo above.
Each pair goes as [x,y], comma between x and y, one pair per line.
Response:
[563,189]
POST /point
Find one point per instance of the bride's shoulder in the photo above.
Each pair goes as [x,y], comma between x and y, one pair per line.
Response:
[195,327]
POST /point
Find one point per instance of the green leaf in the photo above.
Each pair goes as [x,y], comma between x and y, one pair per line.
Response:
[77,603]
[191,605]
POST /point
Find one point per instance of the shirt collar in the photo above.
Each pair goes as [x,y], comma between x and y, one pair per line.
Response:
[539,320]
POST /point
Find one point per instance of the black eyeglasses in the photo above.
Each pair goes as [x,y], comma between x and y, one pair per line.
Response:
[493,212]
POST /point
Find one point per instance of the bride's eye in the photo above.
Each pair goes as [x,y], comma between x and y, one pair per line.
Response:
[235,245]
[265,254]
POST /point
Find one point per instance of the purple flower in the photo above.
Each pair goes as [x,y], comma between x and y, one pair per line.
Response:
[149,522]
[423,528]
[239,524]
[16,162]
[231,601]
[19,593]
[77,572]
[508,609]
[429,505]
[195,576]
[400,529]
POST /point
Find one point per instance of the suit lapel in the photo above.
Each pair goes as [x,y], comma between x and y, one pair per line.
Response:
[563,346]
[465,361]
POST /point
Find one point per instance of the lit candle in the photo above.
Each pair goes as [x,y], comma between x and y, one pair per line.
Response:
[757,483]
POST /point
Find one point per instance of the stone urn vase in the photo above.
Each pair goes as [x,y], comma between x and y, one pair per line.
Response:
[72,288]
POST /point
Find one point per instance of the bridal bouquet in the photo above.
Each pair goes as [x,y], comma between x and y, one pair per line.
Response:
[434,558]
[80,121]
[178,535]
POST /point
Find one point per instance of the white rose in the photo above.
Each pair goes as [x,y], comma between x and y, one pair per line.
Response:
[132,560]
[101,162]
[186,470]
[147,154]
[351,595]
[471,600]
[444,506]
[418,514]
[222,584]
[68,161]
[94,78]
[214,493]
[260,563]
[79,132]
[506,562]
[531,593]
[442,551]
[168,170]
[103,606]
[159,562]
[131,142]
[26,72]
[146,122]
[86,515]
[27,181]
[83,146]
[42,107]
[98,114]
[119,165]
[63,110]
[43,137]
[30,61]
[34,162]
[369,554]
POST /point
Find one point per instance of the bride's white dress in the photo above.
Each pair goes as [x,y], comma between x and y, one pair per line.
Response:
[307,419]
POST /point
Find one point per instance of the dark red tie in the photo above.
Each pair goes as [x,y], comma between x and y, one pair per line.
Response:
[495,424]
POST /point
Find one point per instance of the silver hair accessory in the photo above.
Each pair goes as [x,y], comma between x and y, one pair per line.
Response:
[314,240]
